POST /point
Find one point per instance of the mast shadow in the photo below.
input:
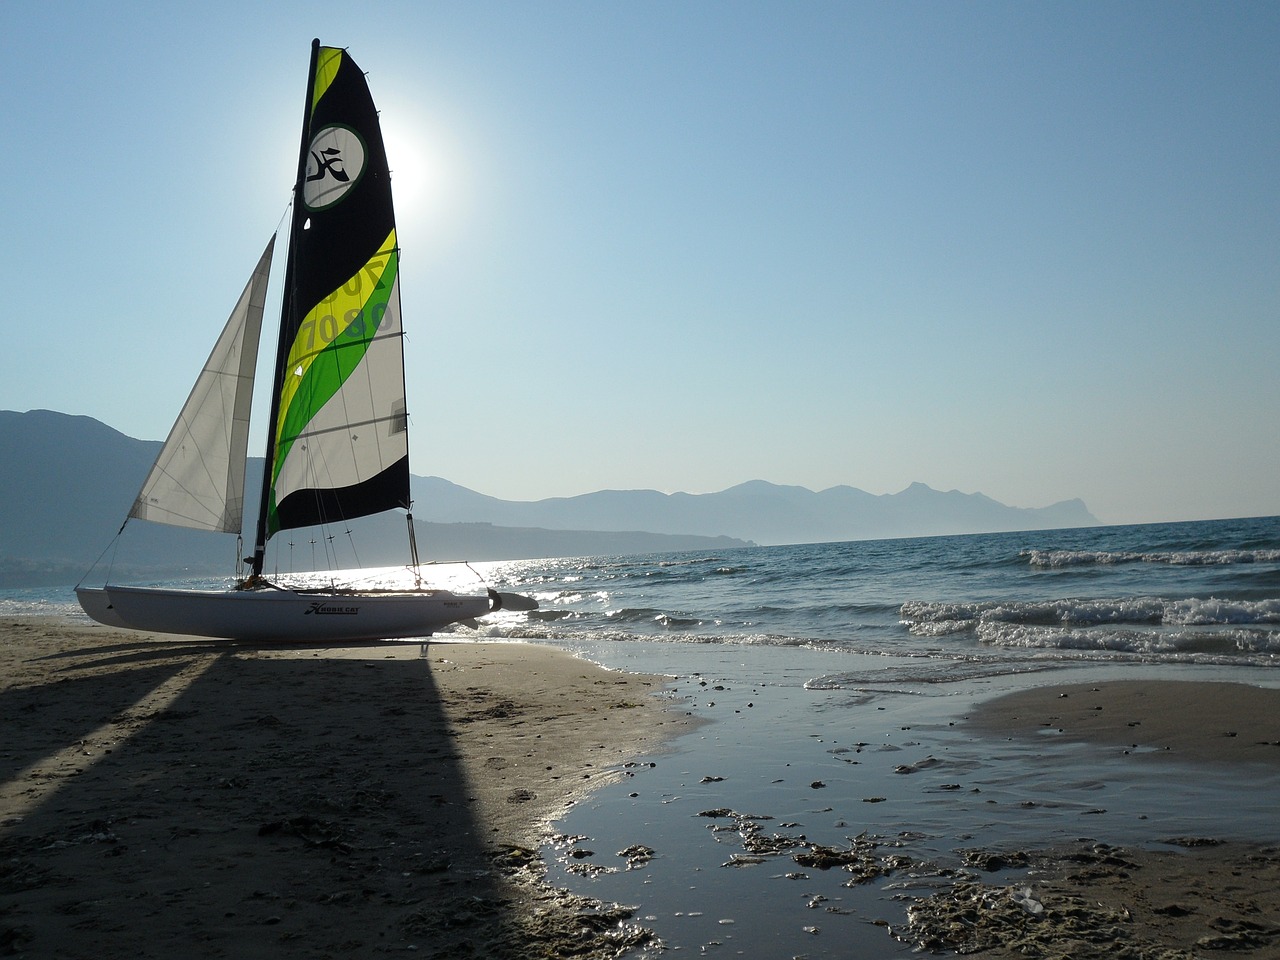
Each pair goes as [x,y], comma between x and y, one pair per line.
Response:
[274,806]
[153,648]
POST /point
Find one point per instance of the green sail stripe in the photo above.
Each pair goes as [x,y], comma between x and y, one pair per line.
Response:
[320,325]
[325,375]
[330,368]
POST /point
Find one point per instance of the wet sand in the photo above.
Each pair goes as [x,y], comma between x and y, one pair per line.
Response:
[1190,897]
[1197,721]
[164,797]
[867,822]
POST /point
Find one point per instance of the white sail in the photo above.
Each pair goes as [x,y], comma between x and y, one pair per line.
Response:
[198,479]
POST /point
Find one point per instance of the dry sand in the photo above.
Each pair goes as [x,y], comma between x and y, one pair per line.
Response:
[164,797]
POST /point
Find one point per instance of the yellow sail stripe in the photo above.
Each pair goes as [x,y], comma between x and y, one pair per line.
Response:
[333,316]
[327,63]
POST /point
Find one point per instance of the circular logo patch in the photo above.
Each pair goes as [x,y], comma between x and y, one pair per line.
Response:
[335,162]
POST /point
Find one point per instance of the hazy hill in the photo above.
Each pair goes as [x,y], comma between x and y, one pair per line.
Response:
[763,512]
[66,483]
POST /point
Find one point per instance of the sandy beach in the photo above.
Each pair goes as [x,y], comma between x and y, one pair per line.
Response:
[169,798]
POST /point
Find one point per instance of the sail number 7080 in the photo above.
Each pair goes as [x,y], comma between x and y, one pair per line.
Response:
[361,318]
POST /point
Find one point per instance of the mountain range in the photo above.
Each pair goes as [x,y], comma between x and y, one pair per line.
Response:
[66,484]
[765,513]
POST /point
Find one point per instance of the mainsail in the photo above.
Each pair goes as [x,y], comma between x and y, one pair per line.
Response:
[198,478]
[338,445]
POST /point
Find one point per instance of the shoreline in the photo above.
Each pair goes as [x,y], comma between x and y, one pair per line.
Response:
[802,816]
[169,797]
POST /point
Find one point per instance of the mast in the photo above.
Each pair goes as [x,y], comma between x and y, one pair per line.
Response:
[287,307]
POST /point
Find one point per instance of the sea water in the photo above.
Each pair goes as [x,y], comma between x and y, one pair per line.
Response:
[1206,592]
[1189,593]
[831,683]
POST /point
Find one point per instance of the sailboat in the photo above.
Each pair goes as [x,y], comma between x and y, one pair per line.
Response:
[337,437]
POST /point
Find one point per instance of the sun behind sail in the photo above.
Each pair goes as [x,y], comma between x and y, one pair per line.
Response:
[340,438]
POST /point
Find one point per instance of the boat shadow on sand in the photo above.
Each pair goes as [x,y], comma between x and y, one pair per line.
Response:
[195,799]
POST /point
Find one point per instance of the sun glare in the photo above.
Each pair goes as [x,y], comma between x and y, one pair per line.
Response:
[423,180]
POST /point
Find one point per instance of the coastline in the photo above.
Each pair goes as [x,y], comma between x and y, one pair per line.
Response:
[876,819]
[165,798]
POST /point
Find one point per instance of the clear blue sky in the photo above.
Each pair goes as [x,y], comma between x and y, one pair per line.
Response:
[1030,249]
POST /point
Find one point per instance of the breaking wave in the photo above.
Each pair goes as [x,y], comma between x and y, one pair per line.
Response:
[936,619]
[1204,630]
[1179,558]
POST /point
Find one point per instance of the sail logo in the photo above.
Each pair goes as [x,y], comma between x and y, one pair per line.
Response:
[335,162]
[321,607]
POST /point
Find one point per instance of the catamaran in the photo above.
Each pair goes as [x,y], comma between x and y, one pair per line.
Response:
[337,436]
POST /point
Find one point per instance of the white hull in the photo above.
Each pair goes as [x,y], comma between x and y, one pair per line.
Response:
[97,604]
[280,615]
